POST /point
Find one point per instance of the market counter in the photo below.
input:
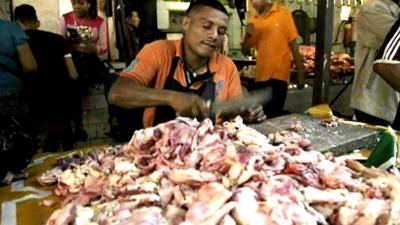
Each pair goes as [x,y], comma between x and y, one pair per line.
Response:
[241,62]
[22,201]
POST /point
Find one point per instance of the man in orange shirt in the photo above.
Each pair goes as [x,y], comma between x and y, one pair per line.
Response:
[272,31]
[180,76]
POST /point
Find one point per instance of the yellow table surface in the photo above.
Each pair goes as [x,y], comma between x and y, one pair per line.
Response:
[20,201]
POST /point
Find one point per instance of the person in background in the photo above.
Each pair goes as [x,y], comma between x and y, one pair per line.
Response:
[84,30]
[123,122]
[387,64]
[86,35]
[272,31]
[178,77]
[14,51]
[133,22]
[48,90]
[372,98]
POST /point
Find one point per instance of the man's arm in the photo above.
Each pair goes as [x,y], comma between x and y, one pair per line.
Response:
[390,73]
[62,27]
[126,93]
[25,55]
[102,43]
[298,59]
[69,63]
[247,41]
[26,58]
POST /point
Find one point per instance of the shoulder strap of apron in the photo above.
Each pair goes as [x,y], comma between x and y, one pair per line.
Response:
[173,66]
[165,113]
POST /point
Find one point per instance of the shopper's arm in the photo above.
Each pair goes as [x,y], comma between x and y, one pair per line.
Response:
[102,43]
[26,58]
[72,72]
[62,30]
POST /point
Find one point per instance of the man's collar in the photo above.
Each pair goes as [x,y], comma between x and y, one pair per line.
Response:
[212,63]
[273,8]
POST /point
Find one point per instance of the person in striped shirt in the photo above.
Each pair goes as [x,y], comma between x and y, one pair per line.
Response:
[372,99]
[387,63]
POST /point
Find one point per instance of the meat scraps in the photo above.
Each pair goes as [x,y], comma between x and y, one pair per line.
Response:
[189,172]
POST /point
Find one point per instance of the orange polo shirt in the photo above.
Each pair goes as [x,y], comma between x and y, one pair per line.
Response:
[273,33]
[153,63]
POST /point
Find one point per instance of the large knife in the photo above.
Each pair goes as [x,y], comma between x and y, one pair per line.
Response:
[259,97]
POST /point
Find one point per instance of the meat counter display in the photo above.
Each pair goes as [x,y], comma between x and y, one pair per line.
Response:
[189,172]
[341,63]
[342,68]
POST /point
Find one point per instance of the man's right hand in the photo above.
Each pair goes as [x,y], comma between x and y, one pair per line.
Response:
[246,42]
[189,105]
[250,29]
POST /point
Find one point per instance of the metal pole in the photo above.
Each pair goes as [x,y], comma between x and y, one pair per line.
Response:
[323,51]
[11,10]
[123,34]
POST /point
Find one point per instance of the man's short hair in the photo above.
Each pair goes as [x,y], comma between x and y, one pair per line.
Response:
[215,4]
[25,13]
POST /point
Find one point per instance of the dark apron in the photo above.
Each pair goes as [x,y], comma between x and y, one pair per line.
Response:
[206,91]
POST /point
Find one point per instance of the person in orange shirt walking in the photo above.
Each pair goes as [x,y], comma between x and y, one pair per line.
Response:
[178,77]
[272,31]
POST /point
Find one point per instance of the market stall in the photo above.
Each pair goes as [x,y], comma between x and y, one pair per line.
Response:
[293,169]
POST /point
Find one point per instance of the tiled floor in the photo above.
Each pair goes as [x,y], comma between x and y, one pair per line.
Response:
[95,119]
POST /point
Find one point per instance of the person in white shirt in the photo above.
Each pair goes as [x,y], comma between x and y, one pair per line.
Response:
[373,100]
[387,64]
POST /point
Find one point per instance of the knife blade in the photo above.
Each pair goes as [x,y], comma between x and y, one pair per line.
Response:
[254,98]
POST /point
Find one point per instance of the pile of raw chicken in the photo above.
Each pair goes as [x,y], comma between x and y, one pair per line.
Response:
[340,62]
[188,172]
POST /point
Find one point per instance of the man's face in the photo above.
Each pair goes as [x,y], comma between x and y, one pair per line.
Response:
[134,19]
[81,7]
[204,30]
[258,4]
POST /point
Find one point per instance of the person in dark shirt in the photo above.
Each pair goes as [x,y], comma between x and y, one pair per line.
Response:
[133,22]
[123,122]
[49,89]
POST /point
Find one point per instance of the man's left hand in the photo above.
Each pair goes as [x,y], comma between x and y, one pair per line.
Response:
[254,114]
